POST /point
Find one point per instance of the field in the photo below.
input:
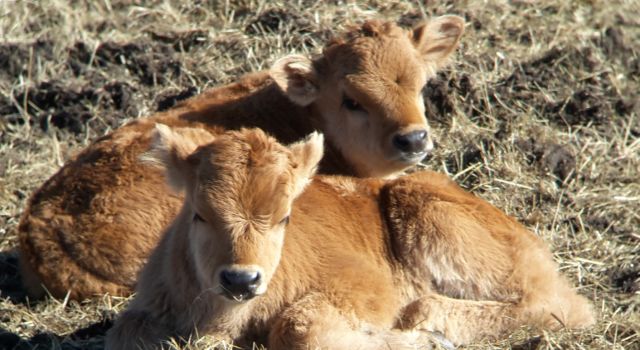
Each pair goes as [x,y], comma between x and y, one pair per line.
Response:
[539,113]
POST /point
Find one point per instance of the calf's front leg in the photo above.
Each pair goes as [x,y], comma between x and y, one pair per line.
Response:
[136,330]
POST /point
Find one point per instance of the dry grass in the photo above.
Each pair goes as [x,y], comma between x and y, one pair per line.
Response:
[539,114]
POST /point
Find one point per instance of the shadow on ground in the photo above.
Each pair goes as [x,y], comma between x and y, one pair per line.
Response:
[89,337]
[10,281]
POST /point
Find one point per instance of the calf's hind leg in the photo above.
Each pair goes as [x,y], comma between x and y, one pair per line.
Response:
[460,321]
[471,250]
[314,323]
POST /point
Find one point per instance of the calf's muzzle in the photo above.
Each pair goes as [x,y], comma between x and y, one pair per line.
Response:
[240,284]
[411,143]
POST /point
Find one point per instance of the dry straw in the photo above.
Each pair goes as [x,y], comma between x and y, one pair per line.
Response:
[538,114]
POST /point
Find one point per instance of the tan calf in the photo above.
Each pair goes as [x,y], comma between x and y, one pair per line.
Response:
[363,92]
[365,264]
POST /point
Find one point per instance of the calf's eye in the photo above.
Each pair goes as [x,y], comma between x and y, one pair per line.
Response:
[351,104]
[197,218]
[285,221]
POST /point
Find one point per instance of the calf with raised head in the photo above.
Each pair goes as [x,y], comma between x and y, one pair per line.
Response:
[364,263]
[363,92]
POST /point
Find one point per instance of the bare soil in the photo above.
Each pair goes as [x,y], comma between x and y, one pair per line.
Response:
[538,113]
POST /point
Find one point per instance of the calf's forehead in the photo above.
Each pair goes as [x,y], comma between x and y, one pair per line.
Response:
[235,187]
[380,60]
[268,192]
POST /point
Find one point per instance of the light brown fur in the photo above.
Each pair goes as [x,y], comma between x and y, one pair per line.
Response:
[77,225]
[366,263]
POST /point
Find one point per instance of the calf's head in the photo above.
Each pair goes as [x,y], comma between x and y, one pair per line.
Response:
[239,190]
[367,87]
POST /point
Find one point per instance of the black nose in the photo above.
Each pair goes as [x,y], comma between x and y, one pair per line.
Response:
[240,282]
[413,142]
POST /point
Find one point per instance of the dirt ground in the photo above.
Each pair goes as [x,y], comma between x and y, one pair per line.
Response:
[538,113]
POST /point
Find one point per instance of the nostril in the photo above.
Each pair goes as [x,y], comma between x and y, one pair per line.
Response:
[255,277]
[401,142]
[226,278]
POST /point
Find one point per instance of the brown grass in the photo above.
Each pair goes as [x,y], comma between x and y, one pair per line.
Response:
[539,114]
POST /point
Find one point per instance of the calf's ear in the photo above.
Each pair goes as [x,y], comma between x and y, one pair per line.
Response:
[438,38]
[172,148]
[297,77]
[307,155]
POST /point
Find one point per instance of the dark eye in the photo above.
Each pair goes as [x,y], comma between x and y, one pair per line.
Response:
[351,104]
[197,217]
[285,221]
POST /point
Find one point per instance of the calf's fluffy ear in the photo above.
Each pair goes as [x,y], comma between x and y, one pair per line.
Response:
[171,149]
[438,38]
[296,76]
[307,155]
